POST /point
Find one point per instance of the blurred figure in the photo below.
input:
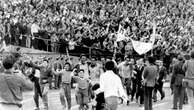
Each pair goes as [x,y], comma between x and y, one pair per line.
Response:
[112,87]
[57,78]
[149,77]
[134,78]
[83,64]
[95,71]
[125,71]
[82,90]
[173,63]
[12,86]
[45,75]
[65,91]
[140,92]
[176,81]
[159,85]
[188,67]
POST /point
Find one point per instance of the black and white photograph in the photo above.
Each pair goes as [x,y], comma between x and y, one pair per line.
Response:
[96,54]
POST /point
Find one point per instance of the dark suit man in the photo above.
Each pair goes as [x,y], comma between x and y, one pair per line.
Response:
[139,69]
[159,86]
[149,76]
[176,82]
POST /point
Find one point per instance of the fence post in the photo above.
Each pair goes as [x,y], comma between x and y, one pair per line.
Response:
[47,45]
[90,52]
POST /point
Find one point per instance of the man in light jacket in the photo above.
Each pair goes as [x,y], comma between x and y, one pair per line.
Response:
[188,67]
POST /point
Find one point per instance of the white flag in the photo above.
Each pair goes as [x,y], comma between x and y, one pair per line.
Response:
[141,47]
[120,37]
[153,35]
[121,34]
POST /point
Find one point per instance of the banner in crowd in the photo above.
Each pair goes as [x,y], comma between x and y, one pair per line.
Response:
[141,47]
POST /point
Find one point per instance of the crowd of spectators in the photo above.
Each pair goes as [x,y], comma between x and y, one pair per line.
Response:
[97,23]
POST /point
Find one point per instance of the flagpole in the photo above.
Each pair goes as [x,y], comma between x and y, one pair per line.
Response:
[67,52]
[114,54]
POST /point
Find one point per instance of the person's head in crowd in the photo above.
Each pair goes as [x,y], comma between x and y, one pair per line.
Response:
[45,63]
[180,58]
[96,88]
[174,60]
[67,66]
[160,63]
[138,62]
[109,66]
[93,61]
[151,60]
[83,58]
[141,62]
[192,54]
[187,57]
[132,60]
[16,66]
[131,66]
[157,62]
[103,60]
[81,73]
[8,62]
[119,60]
[127,59]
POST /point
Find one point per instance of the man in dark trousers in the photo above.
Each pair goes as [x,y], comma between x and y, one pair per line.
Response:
[149,77]
[139,69]
[159,85]
[45,75]
[176,82]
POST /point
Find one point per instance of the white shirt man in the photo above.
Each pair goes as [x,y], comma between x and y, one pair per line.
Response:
[112,87]
[125,70]
[34,28]
[111,84]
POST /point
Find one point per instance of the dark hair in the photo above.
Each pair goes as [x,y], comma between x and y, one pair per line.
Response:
[109,65]
[67,63]
[9,61]
[192,54]
[82,55]
[46,60]
[180,58]
[95,87]
[127,57]
[151,60]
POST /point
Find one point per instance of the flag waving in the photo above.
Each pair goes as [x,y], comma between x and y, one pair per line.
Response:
[153,35]
[141,47]
[121,34]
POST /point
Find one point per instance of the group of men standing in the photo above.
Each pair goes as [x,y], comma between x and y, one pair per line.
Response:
[182,82]
[140,79]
